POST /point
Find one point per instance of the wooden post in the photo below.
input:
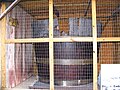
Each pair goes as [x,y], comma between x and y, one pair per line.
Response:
[0,50]
[3,61]
[94,28]
[51,58]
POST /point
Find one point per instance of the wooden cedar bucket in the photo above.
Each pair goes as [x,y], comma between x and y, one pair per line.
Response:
[72,63]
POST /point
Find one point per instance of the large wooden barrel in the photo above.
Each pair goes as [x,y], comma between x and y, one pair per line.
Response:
[72,62]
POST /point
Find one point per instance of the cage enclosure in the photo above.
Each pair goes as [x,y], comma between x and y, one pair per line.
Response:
[73,64]
[73,61]
[59,41]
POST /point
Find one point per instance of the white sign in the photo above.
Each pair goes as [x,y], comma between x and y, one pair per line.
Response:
[110,77]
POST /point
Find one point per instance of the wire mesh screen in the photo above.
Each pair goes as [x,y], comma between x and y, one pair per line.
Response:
[42,65]
[74,17]
[29,19]
[27,65]
[109,53]
[108,12]
[19,64]
[73,65]
[42,60]
[73,61]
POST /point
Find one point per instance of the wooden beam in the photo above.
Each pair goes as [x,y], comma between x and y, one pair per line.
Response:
[73,39]
[3,60]
[51,55]
[108,39]
[60,39]
[66,39]
[70,15]
[0,51]
[64,16]
[22,89]
[32,40]
[94,28]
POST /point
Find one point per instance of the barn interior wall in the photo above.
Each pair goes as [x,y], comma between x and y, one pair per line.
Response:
[109,50]
[116,28]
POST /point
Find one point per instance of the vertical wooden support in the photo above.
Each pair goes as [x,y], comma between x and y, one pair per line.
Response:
[94,28]
[0,49]
[51,58]
[3,61]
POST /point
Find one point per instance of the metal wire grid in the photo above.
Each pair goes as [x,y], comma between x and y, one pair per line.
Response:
[108,14]
[19,64]
[74,17]
[25,19]
[73,63]
[35,15]
[26,60]
[42,60]
[109,53]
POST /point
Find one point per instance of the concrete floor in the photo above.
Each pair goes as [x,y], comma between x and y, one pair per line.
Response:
[29,82]
[26,83]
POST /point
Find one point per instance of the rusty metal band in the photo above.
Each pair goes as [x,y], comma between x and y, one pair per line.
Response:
[65,61]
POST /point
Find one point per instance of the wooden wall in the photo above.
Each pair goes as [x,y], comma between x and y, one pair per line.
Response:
[110,51]
[64,25]
[116,28]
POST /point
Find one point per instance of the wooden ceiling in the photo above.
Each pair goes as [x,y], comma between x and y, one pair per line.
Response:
[39,9]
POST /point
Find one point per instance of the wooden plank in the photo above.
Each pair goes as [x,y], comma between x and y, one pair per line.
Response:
[21,89]
[3,61]
[70,15]
[94,28]
[73,39]
[51,58]
[108,39]
[64,25]
[65,7]
[106,53]
[0,50]
[63,16]
[32,40]
[66,39]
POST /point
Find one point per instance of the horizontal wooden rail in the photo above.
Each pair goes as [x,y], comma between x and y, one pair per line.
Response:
[108,39]
[73,39]
[32,40]
[37,40]
[63,39]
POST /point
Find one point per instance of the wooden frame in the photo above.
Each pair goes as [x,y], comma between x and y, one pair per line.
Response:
[108,39]
[3,59]
[51,40]
[51,57]
[68,39]
[94,28]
